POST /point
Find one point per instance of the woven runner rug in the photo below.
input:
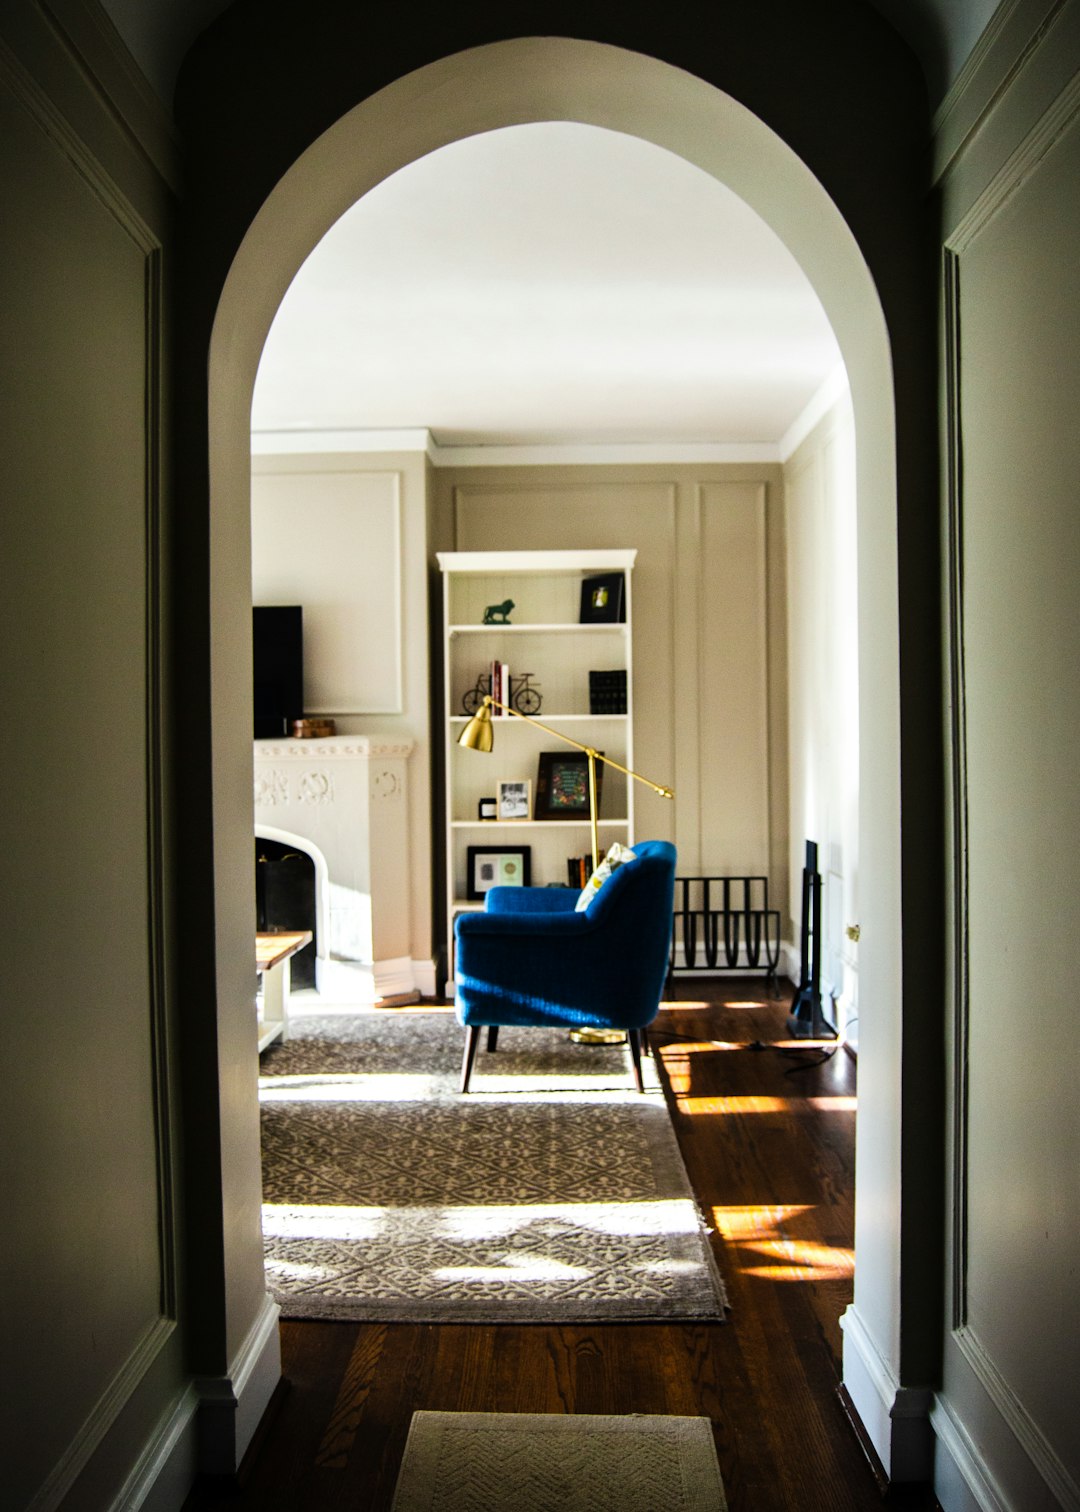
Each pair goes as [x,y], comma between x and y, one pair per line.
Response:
[552,1192]
[507,1462]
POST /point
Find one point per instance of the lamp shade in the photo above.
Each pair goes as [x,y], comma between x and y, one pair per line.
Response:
[478,734]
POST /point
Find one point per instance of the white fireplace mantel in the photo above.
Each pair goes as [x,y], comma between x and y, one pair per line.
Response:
[344,800]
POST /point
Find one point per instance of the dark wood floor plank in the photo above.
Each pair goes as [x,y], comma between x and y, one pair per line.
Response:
[341,1430]
[768,1137]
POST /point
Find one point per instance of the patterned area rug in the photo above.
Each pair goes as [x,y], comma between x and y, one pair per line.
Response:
[553,1192]
[504,1461]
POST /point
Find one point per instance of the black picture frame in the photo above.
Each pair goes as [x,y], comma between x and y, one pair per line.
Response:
[562,785]
[603,599]
[478,880]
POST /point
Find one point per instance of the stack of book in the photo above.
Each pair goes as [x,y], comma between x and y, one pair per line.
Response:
[500,685]
[580,868]
[607,692]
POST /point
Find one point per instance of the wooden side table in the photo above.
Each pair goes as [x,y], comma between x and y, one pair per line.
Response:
[273,953]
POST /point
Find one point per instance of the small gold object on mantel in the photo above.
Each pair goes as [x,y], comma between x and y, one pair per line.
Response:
[313,729]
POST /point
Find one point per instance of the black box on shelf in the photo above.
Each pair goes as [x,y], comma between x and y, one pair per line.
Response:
[607,692]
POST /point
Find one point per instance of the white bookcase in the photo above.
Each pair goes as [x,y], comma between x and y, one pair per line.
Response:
[545,638]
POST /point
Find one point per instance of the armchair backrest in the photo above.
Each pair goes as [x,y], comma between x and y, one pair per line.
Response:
[634,909]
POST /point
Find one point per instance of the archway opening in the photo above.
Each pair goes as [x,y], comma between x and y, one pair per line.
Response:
[535,80]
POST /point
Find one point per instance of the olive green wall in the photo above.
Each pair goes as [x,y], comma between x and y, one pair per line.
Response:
[94,1322]
[1010,220]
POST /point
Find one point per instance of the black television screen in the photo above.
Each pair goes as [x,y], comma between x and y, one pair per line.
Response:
[278,647]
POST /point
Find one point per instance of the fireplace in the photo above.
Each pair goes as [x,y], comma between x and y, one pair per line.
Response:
[343,803]
[285,900]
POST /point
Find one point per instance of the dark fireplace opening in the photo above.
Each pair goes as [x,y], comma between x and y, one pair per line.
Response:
[285,899]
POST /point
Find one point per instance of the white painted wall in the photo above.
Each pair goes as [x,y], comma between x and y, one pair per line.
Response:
[345,535]
[823,690]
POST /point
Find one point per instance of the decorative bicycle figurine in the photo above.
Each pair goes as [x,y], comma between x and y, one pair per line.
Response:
[524,697]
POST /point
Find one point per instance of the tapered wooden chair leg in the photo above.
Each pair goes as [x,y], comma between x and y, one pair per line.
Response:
[472,1043]
[493,1036]
[634,1037]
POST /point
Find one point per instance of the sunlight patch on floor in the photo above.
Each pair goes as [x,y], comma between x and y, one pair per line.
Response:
[793,1104]
[468,1224]
[516,1268]
[763,1234]
[401,1087]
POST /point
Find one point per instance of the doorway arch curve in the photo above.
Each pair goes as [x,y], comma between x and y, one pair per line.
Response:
[558,79]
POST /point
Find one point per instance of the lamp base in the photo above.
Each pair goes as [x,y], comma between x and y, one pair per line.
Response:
[598,1036]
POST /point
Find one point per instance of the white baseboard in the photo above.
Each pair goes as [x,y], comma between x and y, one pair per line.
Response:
[394,978]
[163,1476]
[896,1418]
[232,1406]
[424,977]
[363,983]
[962,1480]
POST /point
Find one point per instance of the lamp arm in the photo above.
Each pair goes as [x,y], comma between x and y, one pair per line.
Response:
[664,792]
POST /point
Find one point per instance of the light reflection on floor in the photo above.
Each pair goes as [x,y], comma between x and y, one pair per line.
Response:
[767,1249]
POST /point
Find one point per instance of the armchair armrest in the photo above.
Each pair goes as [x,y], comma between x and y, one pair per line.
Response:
[551,924]
[524,900]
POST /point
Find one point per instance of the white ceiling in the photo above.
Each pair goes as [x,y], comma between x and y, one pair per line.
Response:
[548,284]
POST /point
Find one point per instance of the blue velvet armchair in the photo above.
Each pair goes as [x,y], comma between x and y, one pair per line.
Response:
[530,959]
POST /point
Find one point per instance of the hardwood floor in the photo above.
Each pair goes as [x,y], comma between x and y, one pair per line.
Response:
[767,1134]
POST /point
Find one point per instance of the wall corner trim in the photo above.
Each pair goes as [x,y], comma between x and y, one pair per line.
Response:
[895,1418]
[232,1405]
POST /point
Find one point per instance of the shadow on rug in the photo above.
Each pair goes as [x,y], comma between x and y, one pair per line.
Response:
[553,1192]
[503,1461]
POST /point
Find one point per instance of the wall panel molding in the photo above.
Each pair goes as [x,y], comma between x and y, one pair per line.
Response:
[1034,1443]
[954,622]
[1003,1441]
[146,1329]
[104,1414]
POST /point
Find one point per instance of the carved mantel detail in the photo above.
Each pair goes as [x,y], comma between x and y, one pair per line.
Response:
[333,748]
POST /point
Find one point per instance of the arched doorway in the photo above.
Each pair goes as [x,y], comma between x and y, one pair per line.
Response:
[536,79]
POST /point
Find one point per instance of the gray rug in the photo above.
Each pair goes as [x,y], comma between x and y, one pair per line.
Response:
[553,1192]
[507,1462]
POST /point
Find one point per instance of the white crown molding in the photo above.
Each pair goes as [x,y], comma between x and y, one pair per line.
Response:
[547,454]
[666,453]
[834,388]
[317,442]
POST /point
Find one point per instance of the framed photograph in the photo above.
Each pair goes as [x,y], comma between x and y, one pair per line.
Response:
[514,799]
[489,866]
[562,785]
[487,808]
[602,601]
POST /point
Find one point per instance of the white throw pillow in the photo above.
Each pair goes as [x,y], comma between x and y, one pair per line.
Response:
[616,856]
